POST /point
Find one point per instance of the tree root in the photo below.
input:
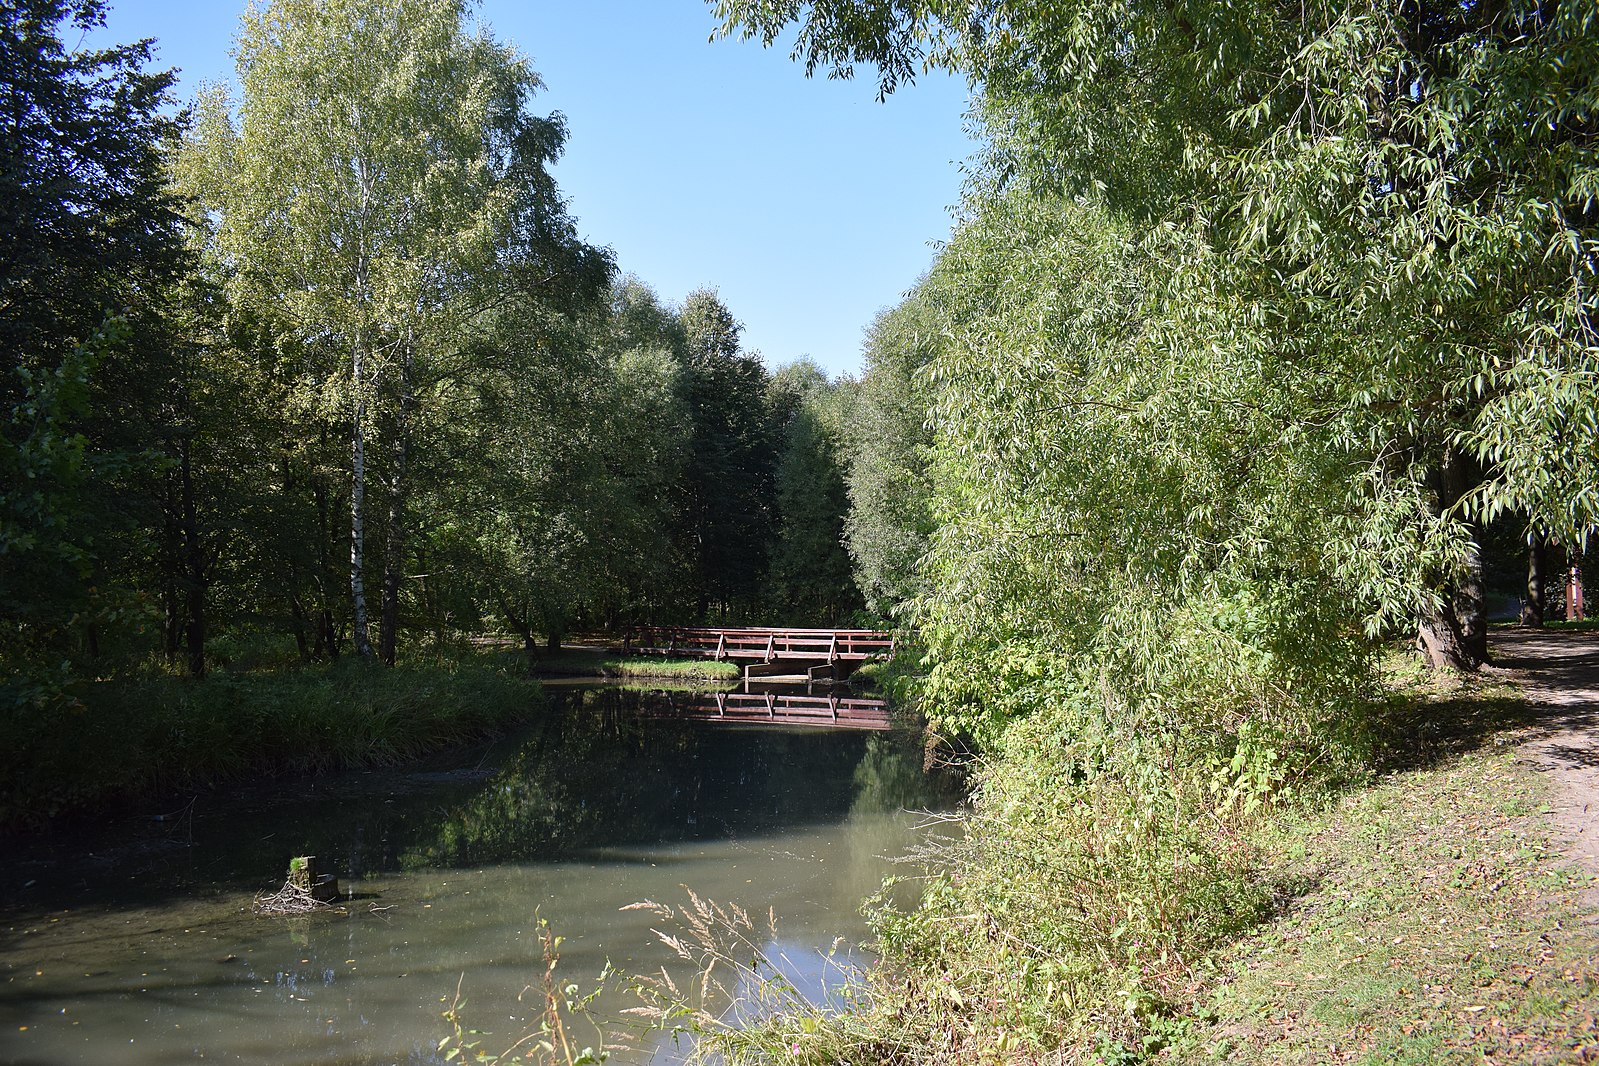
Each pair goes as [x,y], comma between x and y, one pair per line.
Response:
[290,899]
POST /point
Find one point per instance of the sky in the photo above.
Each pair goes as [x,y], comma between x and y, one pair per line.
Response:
[806,204]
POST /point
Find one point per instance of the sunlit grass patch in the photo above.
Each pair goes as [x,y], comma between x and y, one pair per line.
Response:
[599,664]
[1443,923]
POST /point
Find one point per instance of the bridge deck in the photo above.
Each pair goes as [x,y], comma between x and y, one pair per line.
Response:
[763,645]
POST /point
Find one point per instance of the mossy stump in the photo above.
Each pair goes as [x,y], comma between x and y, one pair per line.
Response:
[304,875]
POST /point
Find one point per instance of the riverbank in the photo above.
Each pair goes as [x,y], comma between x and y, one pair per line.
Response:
[135,741]
[575,662]
[1445,913]
[1429,909]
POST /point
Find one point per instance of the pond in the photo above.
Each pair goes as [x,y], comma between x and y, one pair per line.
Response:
[140,944]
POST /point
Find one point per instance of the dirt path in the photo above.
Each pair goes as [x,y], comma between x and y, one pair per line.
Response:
[1560,671]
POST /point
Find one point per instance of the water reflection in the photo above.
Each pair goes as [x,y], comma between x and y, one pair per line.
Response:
[144,950]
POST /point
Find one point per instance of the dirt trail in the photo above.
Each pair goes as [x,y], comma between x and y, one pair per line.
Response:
[1559,670]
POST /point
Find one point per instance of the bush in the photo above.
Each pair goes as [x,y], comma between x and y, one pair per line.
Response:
[121,740]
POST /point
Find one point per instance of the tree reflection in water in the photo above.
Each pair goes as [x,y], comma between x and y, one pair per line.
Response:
[602,773]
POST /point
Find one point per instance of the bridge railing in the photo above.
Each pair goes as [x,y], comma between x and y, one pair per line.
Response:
[764,644]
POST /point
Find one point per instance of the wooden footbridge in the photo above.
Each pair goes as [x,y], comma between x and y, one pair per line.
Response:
[816,654]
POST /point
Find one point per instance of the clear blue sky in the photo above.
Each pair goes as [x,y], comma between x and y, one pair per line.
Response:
[808,205]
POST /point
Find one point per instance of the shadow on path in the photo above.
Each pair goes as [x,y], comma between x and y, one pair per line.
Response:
[1559,672]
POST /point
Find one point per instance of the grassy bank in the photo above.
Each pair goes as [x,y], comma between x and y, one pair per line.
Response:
[134,740]
[605,665]
[1435,921]
[1414,913]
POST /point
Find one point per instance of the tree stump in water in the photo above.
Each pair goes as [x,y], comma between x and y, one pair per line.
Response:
[305,889]
[304,875]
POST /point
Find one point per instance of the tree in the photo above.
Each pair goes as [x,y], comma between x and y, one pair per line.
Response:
[1408,193]
[731,473]
[90,241]
[811,579]
[887,445]
[365,221]
[86,220]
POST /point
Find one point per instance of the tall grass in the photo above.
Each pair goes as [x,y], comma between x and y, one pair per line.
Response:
[580,664]
[137,739]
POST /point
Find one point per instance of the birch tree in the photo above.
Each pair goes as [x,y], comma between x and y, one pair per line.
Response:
[379,192]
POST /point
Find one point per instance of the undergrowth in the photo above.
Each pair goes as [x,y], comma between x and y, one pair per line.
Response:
[1238,905]
[131,739]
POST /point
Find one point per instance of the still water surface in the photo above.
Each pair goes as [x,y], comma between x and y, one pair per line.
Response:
[140,945]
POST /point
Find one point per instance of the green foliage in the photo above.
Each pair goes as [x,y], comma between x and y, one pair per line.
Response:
[45,560]
[90,246]
[1408,194]
[133,740]
[87,219]
[1129,512]
[402,262]
[811,580]
[886,444]
[731,474]
[1237,292]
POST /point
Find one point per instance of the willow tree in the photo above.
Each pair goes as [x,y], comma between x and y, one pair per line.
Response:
[378,195]
[1397,197]
[885,446]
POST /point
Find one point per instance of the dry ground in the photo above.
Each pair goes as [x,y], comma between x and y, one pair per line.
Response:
[1559,671]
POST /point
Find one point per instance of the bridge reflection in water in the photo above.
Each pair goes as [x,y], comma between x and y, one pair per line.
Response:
[772,708]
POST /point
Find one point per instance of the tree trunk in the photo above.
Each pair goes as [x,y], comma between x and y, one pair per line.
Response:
[519,624]
[302,643]
[194,567]
[394,543]
[171,594]
[1441,641]
[1471,603]
[327,638]
[1460,477]
[393,562]
[1456,635]
[1532,607]
[297,625]
[363,645]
